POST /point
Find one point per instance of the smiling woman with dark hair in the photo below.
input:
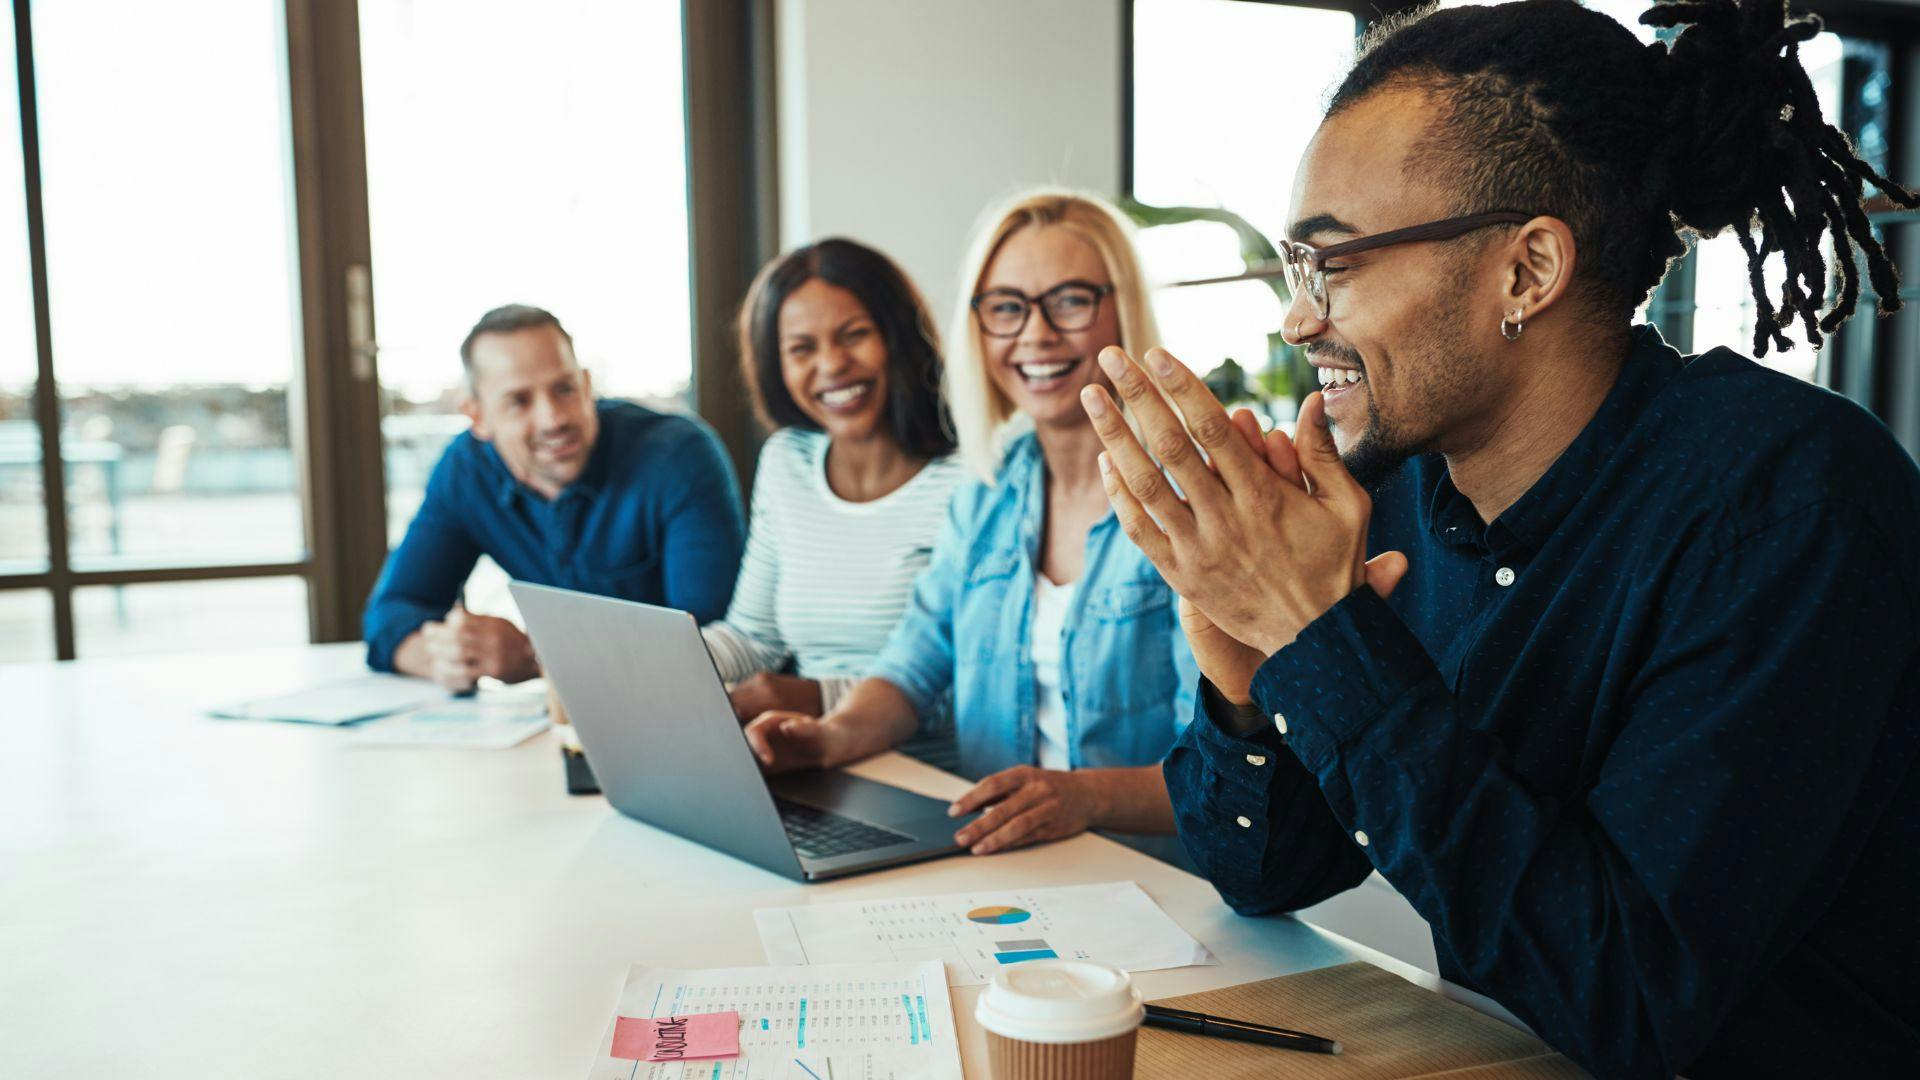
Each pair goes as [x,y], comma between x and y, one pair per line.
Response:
[909,397]
[852,486]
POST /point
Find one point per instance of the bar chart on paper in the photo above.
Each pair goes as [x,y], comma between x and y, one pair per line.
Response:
[975,935]
[829,1022]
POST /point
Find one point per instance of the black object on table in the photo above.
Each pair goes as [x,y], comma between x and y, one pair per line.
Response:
[580,779]
[1219,1027]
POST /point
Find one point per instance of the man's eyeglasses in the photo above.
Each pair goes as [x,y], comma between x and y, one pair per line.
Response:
[1305,266]
[1068,306]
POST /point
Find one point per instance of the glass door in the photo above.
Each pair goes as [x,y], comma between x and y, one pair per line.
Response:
[152,471]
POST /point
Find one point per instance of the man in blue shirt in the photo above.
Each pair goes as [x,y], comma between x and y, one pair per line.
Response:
[605,497]
[1626,701]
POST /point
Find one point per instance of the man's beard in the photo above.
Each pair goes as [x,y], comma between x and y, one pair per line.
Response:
[1376,455]
[1382,446]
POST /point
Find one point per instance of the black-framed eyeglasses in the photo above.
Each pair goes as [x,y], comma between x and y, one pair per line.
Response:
[1305,266]
[1068,306]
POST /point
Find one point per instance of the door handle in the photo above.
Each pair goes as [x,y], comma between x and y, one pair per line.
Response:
[360,344]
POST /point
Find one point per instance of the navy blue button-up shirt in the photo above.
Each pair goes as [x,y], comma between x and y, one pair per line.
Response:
[1642,751]
[655,517]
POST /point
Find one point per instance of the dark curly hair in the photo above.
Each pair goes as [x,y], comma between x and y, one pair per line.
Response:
[1554,109]
[916,413]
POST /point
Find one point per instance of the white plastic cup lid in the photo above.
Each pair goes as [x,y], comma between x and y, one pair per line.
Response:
[1059,1001]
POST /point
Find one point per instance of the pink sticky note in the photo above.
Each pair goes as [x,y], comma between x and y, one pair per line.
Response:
[677,1038]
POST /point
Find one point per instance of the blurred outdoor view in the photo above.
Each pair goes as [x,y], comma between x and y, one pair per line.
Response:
[509,160]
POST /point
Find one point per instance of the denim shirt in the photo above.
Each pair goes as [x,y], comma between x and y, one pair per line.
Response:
[1126,674]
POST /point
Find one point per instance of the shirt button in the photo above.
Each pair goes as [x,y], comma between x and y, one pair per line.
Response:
[1256,759]
[1504,576]
[1245,822]
[1280,722]
[1360,837]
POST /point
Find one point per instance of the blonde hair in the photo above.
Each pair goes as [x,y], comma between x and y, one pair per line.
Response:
[980,411]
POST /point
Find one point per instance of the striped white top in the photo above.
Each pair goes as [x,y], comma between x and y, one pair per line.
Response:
[824,580]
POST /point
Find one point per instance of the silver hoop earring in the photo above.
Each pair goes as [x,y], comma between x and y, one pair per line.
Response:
[1513,334]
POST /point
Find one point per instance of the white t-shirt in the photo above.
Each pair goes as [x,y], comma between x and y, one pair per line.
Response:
[824,580]
[1050,603]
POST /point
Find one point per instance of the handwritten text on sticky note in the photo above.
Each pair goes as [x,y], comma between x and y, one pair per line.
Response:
[677,1038]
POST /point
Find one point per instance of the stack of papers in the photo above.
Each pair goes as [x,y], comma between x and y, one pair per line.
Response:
[344,702]
[827,1022]
[482,723]
[393,710]
[976,934]
[860,987]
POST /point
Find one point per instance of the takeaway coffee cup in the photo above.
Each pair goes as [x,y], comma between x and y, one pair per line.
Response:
[1060,1020]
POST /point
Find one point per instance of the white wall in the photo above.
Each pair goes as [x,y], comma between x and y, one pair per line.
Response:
[900,120]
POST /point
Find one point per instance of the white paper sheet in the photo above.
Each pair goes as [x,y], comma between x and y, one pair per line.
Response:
[976,934]
[828,1022]
[481,723]
[344,702]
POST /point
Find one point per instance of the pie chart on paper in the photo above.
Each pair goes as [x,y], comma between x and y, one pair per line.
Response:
[999,913]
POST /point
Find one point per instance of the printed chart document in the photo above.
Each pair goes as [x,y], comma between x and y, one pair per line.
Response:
[479,723]
[975,934]
[344,702]
[827,1022]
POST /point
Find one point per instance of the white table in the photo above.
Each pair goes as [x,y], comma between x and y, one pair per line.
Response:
[188,897]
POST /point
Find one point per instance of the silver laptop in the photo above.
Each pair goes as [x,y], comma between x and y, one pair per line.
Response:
[653,717]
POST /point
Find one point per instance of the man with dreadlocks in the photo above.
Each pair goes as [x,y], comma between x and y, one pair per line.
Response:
[1627,700]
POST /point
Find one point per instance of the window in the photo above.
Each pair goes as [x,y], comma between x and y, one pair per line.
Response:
[1202,70]
[165,167]
[521,160]
[166,184]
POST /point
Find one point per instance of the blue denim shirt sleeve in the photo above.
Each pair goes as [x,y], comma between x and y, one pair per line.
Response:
[919,657]
[702,522]
[1720,822]
[422,577]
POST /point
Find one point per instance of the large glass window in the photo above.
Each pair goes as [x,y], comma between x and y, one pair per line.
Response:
[1226,94]
[165,167]
[165,182]
[514,154]
[518,159]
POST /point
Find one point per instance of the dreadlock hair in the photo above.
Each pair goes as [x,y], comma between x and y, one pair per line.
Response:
[1550,108]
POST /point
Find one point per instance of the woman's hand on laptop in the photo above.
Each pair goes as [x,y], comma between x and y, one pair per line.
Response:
[784,740]
[1024,805]
[766,692]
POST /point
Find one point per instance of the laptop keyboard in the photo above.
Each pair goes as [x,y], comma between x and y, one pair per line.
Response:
[820,834]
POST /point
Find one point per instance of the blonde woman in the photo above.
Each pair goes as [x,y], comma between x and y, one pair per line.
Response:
[1069,673]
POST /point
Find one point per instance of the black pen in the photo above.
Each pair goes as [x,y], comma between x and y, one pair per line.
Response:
[1219,1027]
[461,603]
